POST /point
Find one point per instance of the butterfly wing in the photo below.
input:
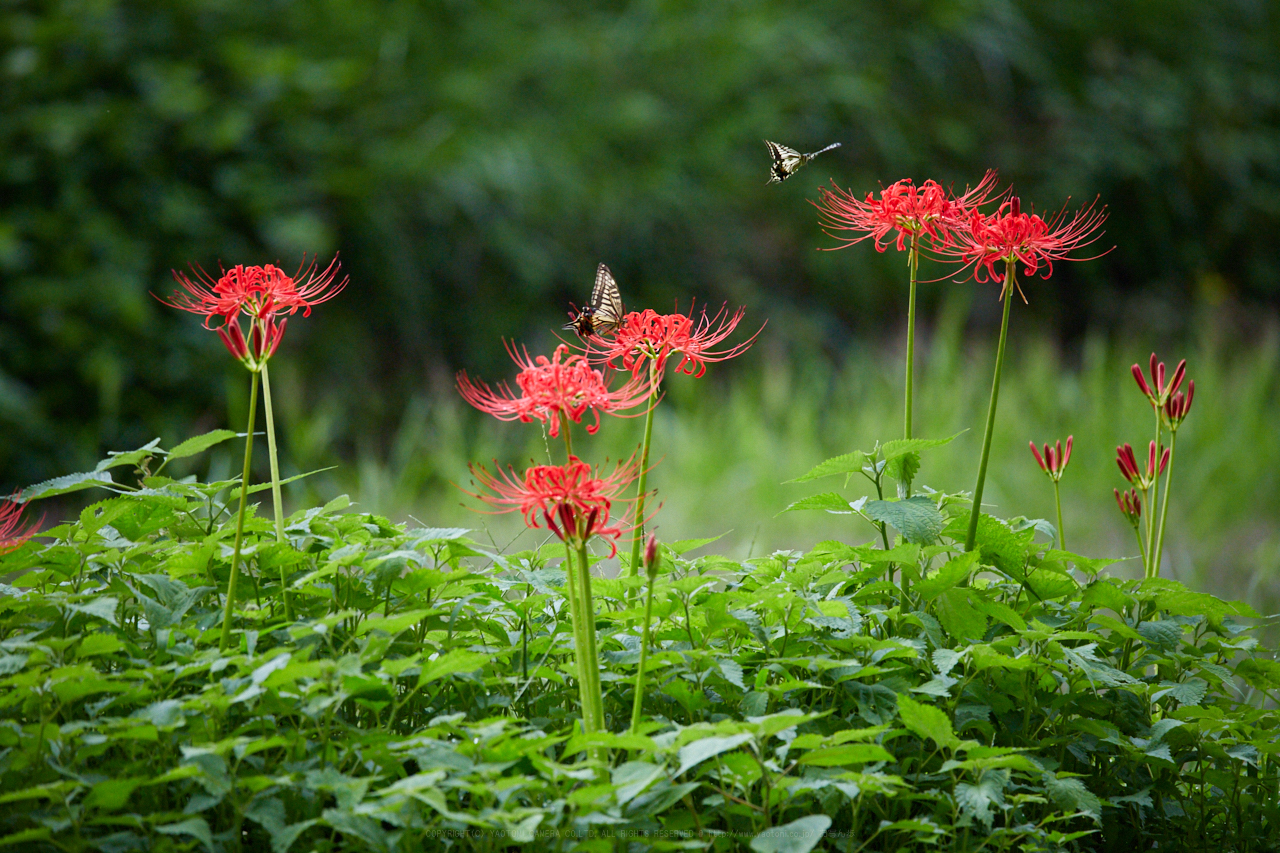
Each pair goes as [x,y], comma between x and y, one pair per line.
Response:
[785,161]
[606,303]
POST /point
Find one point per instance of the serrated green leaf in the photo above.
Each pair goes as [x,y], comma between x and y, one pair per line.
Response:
[828,501]
[899,446]
[693,754]
[66,485]
[683,546]
[1071,795]
[847,463]
[196,827]
[199,444]
[452,662]
[926,721]
[1259,672]
[954,609]
[844,754]
[952,573]
[129,457]
[917,519]
[799,836]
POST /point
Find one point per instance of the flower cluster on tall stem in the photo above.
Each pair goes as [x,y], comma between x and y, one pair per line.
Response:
[645,342]
[927,214]
[551,390]
[1170,406]
[1053,463]
[574,502]
[264,296]
[1014,237]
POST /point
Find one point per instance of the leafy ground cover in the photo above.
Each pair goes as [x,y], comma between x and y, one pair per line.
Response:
[1013,697]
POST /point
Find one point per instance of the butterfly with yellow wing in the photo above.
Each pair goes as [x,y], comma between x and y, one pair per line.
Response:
[604,313]
[787,161]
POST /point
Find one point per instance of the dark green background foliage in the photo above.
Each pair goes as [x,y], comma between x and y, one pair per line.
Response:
[473,162]
[1011,698]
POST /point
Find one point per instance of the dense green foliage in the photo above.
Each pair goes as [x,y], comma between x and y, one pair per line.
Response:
[914,698]
[476,161]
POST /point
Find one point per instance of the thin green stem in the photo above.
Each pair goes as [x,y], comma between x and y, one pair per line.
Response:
[1164,507]
[1152,497]
[275,485]
[579,640]
[913,261]
[637,704]
[634,568]
[592,662]
[972,535]
[1057,500]
[244,496]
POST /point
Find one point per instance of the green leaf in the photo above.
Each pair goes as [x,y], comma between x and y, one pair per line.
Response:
[903,468]
[195,827]
[693,754]
[111,794]
[891,450]
[926,721]
[1260,673]
[1175,598]
[1071,795]
[199,444]
[457,660]
[849,753]
[829,501]
[799,836]
[917,519]
[959,618]
[103,607]
[129,457]
[65,485]
[1189,692]
[977,800]
[848,463]
[952,572]
[39,833]
[684,546]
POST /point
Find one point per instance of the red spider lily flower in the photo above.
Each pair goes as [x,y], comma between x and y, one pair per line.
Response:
[1162,392]
[1128,463]
[573,501]
[928,210]
[1177,406]
[259,292]
[647,337]
[12,533]
[1011,235]
[1055,459]
[548,386]
[1130,504]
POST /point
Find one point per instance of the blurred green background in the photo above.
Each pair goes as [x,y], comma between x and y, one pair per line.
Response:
[473,162]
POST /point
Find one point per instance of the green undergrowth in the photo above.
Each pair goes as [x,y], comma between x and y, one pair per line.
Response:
[850,697]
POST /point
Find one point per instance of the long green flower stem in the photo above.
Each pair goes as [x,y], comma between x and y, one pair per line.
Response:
[1057,500]
[972,535]
[636,705]
[913,261]
[579,640]
[244,496]
[592,657]
[1164,507]
[275,484]
[634,568]
[1151,497]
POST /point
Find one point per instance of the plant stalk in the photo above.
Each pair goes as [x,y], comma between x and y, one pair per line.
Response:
[244,496]
[579,640]
[636,706]
[1057,500]
[1164,508]
[972,535]
[634,568]
[913,261]
[275,485]
[592,663]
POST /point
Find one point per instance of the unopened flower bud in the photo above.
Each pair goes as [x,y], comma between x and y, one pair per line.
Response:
[1039,460]
[256,338]
[651,556]
[1067,456]
[1142,380]
[233,339]
[1178,374]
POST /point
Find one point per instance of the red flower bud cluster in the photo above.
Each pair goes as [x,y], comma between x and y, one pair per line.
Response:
[1130,505]
[261,293]
[1177,406]
[572,500]
[1055,458]
[1158,393]
[565,383]
[1128,463]
[651,556]
[647,337]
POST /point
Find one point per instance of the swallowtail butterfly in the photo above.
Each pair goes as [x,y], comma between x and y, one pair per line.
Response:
[604,313]
[786,161]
